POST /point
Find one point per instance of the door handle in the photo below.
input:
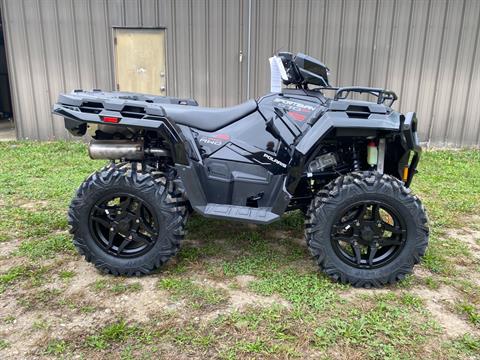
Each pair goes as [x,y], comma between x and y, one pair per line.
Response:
[163,88]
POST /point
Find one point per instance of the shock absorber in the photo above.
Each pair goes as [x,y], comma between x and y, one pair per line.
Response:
[355,159]
[372,153]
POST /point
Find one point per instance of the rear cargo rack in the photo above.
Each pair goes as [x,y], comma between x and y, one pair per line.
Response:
[381,94]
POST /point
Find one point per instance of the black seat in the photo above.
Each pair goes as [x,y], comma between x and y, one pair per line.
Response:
[208,119]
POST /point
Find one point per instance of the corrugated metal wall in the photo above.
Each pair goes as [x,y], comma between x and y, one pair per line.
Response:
[59,45]
[426,50]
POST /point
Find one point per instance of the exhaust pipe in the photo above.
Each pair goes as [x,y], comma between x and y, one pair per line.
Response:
[116,149]
[122,149]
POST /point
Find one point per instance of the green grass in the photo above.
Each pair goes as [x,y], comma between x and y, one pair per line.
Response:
[318,319]
[449,185]
[56,347]
[304,290]
[4,344]
[115,286]
[198,296]
[470,311]
[382,328]
[34,274]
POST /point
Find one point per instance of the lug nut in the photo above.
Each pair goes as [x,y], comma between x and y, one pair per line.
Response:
[111,229]
[137,221]
[130,237]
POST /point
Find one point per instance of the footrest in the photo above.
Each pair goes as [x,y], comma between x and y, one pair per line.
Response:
[240,213]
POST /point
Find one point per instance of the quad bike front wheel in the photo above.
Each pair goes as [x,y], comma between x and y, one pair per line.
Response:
[366,229]
[127,222]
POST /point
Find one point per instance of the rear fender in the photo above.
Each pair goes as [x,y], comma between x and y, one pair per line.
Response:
[76,122]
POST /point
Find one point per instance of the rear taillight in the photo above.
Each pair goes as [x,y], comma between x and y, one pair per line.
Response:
[110,119]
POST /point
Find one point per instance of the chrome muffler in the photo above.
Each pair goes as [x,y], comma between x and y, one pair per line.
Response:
[116,149]
[122,149]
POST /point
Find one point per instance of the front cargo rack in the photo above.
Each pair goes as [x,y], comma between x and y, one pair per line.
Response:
[382,95]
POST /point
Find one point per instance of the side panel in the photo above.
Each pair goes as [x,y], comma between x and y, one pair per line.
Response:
[241,164]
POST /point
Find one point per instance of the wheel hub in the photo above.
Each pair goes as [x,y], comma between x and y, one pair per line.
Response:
[369,234]
[123,225]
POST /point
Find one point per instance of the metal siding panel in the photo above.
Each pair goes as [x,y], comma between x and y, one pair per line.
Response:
[169,10]
[454,121]
[132,13]
[263,39]
[400,39]
[365,41]
[54,62]
[182,48]
[83,37]
[298,26]
[18,47]
[471,126]
[116,12]
[199,48]
[215,43]
[334,23]
[349,38]
[231,52]
[382,44]
[315,28]
[281,26]
[101,38]
[447,67]
[430,68]
[149,13]
[38,76]
[413,57]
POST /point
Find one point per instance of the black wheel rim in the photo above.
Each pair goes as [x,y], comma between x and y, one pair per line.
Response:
[123,225]
[368,234]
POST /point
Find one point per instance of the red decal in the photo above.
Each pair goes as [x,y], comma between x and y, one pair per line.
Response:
[296,116]
[222,136]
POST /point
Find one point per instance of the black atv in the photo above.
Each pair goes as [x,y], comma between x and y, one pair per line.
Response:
[346,164]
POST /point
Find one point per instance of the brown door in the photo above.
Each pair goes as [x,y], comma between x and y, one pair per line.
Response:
[140,60]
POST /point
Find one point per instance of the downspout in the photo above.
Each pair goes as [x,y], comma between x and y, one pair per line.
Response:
[249,45]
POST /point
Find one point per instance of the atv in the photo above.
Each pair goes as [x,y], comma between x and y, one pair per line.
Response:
[346,163]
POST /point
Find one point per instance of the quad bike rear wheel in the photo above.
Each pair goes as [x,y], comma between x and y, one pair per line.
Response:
[127,222]
[366,229]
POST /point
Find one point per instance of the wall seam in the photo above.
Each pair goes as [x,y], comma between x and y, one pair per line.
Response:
[45,68]
[437,74]
[407,48]
[24,20]
[454,80]
[469,87]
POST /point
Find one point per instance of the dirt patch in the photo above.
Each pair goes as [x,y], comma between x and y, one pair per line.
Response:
[135,306]
[7,248]
[468,236]
[239,299]
[244,280]
[438,303]
[33,205]
[353,293]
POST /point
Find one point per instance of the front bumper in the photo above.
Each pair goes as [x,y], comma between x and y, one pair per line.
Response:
[411,144]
